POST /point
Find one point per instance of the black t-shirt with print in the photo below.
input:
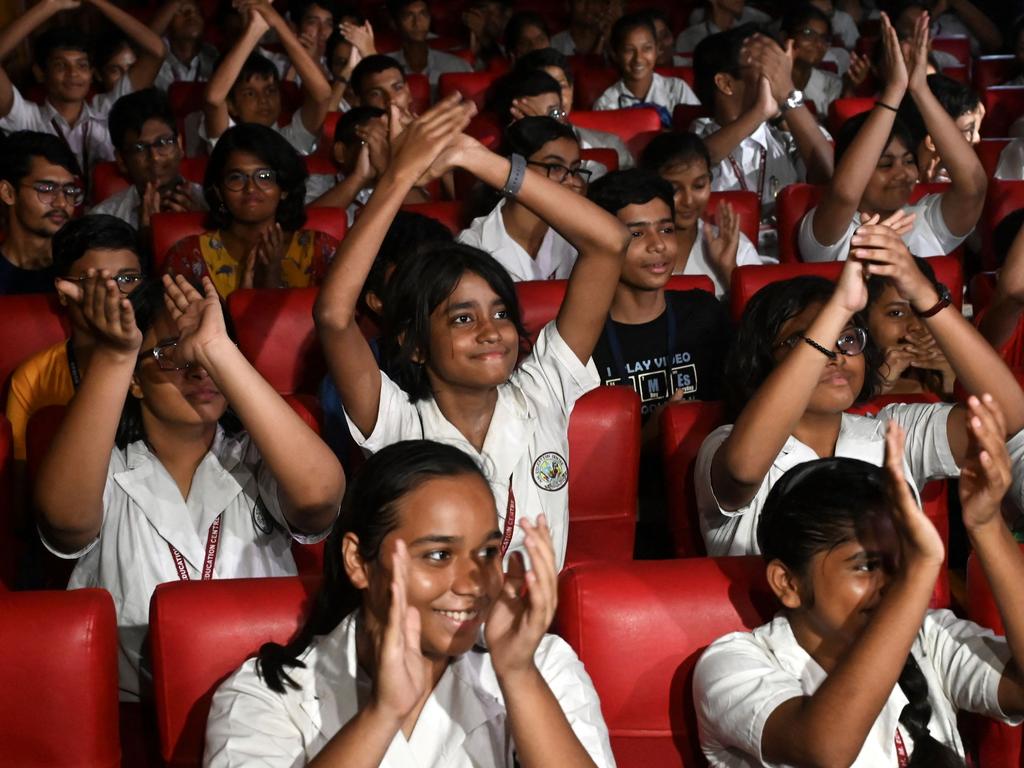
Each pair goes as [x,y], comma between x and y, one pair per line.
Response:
[700,341]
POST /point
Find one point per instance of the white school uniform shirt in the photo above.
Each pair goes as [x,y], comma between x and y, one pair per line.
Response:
[700,28]
[1011,161]
[174,70]
[295,132]
[590,138]
[926,456]
[845,27]
[822,89]
[89,136]
[929,235]
[318,184]
[840,57]
[666,92]
[527,442]
[438,63]
[144,513]
[125,204]
[698,263]
[743,677]
[563,43]
[463,724]
[555,257]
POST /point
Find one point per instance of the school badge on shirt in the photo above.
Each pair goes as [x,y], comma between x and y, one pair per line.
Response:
[550,471]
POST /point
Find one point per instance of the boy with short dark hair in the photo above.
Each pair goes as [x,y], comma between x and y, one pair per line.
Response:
[412,22]
[379,81]
[189,60]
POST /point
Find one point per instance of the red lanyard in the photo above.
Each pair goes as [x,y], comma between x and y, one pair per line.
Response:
[510,519]
[742,178]
[212,543]
[902,759]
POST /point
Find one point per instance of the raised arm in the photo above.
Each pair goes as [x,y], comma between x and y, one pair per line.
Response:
[962,203]
[215,108]
[1002,317]
[163,17]
[17,32]
[853,171]
[980,25]
[722,142]
[70,482]
[150,47]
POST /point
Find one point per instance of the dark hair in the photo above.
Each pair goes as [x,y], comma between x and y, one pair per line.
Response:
[370,512]
[419,286]
[97,231]
[274,150]
[526,136]
[626,24]
[657,14]
[955,97]
[751,358]
[345,129]
[797,17]
[541,59]
[108,45]
[19,148]
[518,22]
[1005,232]
[297,9]
[395,7]
[256,65]
[372,65]
[817,506]
[61,39]
[670,149]
[636,186]
[131,112]
[849,129]
[516,85]
[718,53]
[408,232]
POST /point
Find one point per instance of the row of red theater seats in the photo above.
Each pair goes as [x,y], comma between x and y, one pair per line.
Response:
[61,650]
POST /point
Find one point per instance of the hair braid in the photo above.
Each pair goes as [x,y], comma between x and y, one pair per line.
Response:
[915,716]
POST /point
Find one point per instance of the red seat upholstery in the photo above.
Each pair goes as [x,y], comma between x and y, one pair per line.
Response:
[639,629]
[486,129]
[981,290]
[202,631]
[841,110]
[960,74]
[746,204]
[993,70]
[472,85]
[1004,104]
[1003,198]
[589,82]
[539,300]
[60,678]
[609,158]
[684,115]
[448,212]
[189,97]
[955,45]
[630,125]
[107,180]
[685,74]
[31,322]
[604,466]
[9,544]
[748,280]
[419,89]
[988,151]
[999,746]
[683,429]
[320,163]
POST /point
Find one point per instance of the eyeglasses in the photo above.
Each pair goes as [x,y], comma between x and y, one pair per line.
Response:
[557,113]
[47,192]
[127,282]
[850,343]
[812,35]
[262,178]
[162,147]
[558,172]
[163,353]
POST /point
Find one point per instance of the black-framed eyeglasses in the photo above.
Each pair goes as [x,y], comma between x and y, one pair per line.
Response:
[558,172]
[161,147]
[47,192]
[850,343]
[127,282]
[263,178]
[163,353]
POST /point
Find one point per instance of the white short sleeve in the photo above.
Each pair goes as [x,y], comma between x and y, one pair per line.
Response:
[927,449]
[811,250]
[298,135]
[470,236]
[930,235]
[397,419]
[23,115]
[555,367]
[1011,161]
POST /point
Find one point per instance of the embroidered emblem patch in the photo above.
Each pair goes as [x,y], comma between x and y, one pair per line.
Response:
[550,471]
[260,520]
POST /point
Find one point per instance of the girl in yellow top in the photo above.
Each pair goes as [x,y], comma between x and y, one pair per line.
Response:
[255,186]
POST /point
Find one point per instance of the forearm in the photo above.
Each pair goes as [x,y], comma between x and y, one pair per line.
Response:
[1000,320]
[1000,558]
[965,171]
[722,142]
[23,26]
[148,41]
[361,743]
[341,194]
[540,730]
[162,20]
[814,150]
[313,81]
[309,478]
[980,25]
[227,71]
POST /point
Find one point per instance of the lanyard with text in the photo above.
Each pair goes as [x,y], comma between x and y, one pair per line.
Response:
[86,171]
[510,519]
[621,371]
[212,542]
[741,177]
[76,375]
[902,760]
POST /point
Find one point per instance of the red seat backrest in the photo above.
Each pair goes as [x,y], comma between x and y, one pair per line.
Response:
[607,157]
[793,202]
[448,212]
[955,45]
[746,204]
[684,115]
[841,110]
[993,70]
[683,429]
[988,151]
[327,133]
[1003,198]
[748,280]
[419,89]
[61,679]
[472,85]
[589,82]
[31,322]
[981,290]
[627,124]
[960,74]
[539,300]
[685,74]
[10,545]
[604,466]
[186,97]
[276,333]
[1003,104]
[639,629]
[201,632]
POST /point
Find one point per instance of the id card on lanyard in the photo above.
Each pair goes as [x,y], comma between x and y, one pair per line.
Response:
[510,519]
[212,544]
[741,177]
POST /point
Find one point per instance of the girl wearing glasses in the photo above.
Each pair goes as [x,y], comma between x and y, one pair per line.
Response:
[255,186]
[811,32]
[799,362]
[150,479]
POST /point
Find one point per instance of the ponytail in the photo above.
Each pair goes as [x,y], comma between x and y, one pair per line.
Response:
[928,752]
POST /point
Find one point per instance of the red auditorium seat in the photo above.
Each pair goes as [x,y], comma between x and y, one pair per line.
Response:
[1004,197]
[472,85]
[841,110]
[1004,104]
[200,632]
[684,115]
[60,678]
[748,280]
[9,544]
[993,70]
[604,457]
[960,74]
[981,290]
[419,89]
[658,616]
[589,82]
[31,322]
[955,45]
[107,180]
[746,204]
[189,97]
[683,429]
[609,158]
[685,74]
[635,127]
[539,300]
[448,212]
[999,746]
[988,151]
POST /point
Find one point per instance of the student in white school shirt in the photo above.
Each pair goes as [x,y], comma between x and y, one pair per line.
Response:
[634,51]
[876,168]
[745,79]
[63,67]
[798,363]
[189,59]
[515,235]
[419,650]
[853,561]
[143,484]
[716,16]
[412,22]
[453,331]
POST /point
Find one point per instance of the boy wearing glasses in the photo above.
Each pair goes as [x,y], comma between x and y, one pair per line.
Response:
[40,188]
[149,152]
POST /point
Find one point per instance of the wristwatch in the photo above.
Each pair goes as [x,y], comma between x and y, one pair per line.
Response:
[945,299]
[794,100]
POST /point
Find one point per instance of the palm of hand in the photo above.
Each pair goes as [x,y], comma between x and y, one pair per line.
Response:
[200,324]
